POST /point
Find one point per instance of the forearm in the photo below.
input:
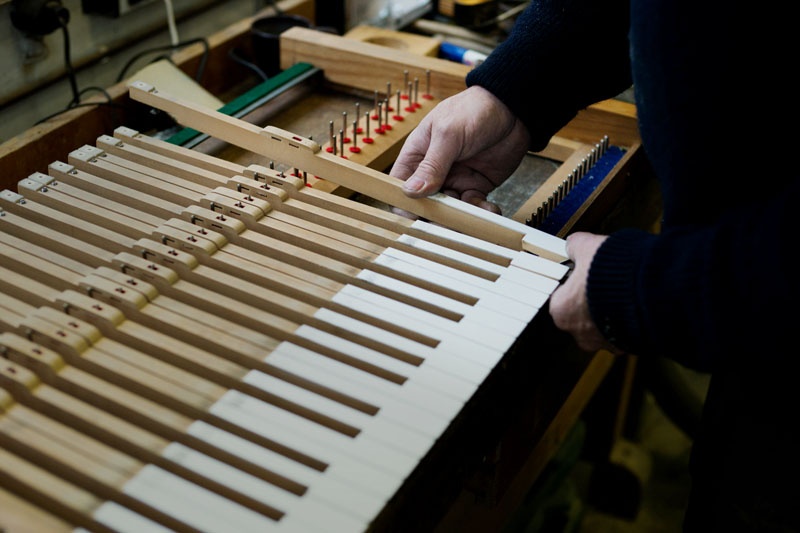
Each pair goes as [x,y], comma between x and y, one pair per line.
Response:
[561,56]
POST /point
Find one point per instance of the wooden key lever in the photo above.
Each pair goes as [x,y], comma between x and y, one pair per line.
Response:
[305,154]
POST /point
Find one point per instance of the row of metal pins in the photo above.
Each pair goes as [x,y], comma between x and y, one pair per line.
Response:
[568,183]
[380,112]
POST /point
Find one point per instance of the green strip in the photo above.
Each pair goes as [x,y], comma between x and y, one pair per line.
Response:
[244,100]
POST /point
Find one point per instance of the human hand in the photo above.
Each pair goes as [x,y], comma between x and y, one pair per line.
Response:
[465,147]
[569,305]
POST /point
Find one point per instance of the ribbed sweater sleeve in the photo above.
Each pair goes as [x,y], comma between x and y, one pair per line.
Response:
[560,57]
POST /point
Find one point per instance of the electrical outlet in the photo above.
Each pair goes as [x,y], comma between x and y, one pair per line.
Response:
[33,49]
[112,8]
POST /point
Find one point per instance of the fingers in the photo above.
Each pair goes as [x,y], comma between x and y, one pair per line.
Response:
[432,170]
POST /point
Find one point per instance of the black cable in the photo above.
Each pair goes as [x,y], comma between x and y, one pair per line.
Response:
[233,54]
[97,89]
[73,81]
[63,18]
[200,68]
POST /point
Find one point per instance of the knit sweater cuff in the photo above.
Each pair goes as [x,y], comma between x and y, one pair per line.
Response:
[613,277]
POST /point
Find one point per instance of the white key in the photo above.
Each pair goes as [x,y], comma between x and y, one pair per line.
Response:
[515,291]
[498,302]
[481,344]
[361,446]
[525,260]
[496,321]
[344,463]
[124,520]
[468,359]
[315,514]
[451,254]
[464,376]
[325,486]
[194,505]
[377,427]
[522,276]
[424,409]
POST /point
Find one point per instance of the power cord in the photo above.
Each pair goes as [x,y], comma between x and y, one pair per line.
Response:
[200,67]
[234,54]
[38,18]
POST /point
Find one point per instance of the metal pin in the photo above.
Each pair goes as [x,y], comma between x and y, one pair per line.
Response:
[380,116]
[376,100]
[398,102]
[333,142]
[341,142]
[388,89]
[386,107]
[366,124]
[355,135]
[331,136]
[344,122]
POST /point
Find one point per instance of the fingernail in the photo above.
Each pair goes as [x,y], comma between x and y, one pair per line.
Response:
[413,184]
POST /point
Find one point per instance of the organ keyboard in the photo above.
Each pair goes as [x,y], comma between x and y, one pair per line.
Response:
[190,344]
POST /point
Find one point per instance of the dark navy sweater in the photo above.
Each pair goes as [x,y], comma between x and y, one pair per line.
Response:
[716,289]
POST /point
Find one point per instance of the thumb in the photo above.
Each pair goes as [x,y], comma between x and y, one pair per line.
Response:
[431,172]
